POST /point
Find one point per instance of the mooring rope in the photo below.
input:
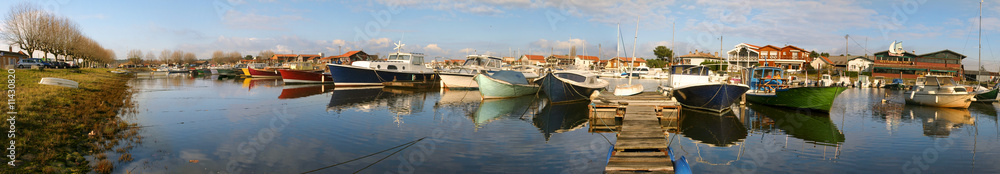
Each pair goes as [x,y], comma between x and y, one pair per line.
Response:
[408,144]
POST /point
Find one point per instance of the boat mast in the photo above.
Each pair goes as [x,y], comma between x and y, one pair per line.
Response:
[636,40]
[980,71]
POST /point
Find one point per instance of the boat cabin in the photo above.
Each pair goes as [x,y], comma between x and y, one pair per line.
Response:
[939,85]
[412,62]
[767,78]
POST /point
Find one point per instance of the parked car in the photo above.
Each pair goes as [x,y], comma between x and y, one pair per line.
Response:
[27,63]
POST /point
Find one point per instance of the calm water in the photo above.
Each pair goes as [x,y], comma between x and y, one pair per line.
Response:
[261,126]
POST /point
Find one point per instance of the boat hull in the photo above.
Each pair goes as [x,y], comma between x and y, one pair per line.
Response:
[262,73]
[494,88]
[559,91]
[458,81]
[990,96]
[226,72]
[299,76]
[815,98]
[347,75]
[712,97]
[939,100]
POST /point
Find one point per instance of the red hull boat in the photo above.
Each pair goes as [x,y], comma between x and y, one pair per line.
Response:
[263,73]
[302,76]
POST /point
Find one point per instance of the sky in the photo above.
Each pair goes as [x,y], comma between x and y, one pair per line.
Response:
[451,29]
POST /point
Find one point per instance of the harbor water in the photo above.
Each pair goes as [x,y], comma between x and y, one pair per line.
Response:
[235,125]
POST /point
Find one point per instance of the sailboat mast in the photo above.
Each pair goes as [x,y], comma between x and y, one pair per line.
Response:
[980,42]
[636,40]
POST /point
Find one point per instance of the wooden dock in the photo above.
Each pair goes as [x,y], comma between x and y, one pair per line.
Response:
[641,122]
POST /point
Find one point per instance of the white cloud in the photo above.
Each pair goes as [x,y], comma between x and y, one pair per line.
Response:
[609,12]
[240,20]
[793,21]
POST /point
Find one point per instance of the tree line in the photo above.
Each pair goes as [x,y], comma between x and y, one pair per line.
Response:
[33,29]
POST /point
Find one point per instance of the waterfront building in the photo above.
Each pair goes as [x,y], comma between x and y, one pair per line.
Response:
[347,58]
[789,57]
[697,57]
[908,65]
[623,62]
[532,60]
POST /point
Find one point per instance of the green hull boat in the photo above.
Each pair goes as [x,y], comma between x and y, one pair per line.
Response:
[504,84]
[816,98]
[990,96]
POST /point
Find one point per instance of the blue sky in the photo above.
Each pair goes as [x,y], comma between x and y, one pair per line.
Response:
[450,29]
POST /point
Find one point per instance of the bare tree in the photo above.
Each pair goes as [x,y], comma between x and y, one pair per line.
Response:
[134,56]
[177,56]
[21,26]
[190,58]
[266,54]
[150,57]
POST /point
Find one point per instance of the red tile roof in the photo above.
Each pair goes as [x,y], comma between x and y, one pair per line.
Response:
[627,59]
[535,57]
[594,58]
[560,56]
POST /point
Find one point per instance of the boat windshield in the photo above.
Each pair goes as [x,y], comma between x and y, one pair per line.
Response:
[473,62]
[399,57]
[945,81]
[698,70]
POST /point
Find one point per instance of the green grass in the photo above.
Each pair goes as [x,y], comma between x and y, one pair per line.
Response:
[53,122]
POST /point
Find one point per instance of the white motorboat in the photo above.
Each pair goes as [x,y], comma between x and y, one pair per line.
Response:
[939,91]
[462,77]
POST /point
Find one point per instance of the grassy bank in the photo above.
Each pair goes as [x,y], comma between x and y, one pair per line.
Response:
[57,128]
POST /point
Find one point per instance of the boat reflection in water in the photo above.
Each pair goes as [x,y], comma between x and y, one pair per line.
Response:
[304,90]
[939,122]
[495,109]
[366,99]
[251,83]
[813,127]
[559,118]
[716,129]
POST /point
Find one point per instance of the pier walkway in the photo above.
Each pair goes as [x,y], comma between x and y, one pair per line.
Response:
[641,145]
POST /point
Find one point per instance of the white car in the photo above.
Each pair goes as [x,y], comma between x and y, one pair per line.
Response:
[29,62]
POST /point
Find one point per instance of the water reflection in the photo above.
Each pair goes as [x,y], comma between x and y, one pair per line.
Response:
[365,99]
[939,122]
[494,109]
[561,118]
[298,91]
[813,127]
[251,83]
[715,129]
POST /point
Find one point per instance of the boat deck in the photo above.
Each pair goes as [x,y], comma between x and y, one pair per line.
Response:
[642,123]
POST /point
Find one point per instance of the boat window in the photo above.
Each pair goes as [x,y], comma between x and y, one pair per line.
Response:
[571,76]
[399,57]
[417,60]
[945,81]
[391,67]
[931,82]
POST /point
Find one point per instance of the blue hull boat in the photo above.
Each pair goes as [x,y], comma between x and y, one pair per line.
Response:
[569,86]
[714,97]
[347,75]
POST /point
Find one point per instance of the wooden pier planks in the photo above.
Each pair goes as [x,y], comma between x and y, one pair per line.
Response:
[640,131]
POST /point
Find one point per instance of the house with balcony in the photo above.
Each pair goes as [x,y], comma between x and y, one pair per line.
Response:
[789,57]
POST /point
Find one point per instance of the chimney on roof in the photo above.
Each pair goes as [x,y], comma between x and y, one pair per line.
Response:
[716,54]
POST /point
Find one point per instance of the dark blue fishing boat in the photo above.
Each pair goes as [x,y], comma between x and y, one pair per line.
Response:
[569,86]
[398,67]
[698,87]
